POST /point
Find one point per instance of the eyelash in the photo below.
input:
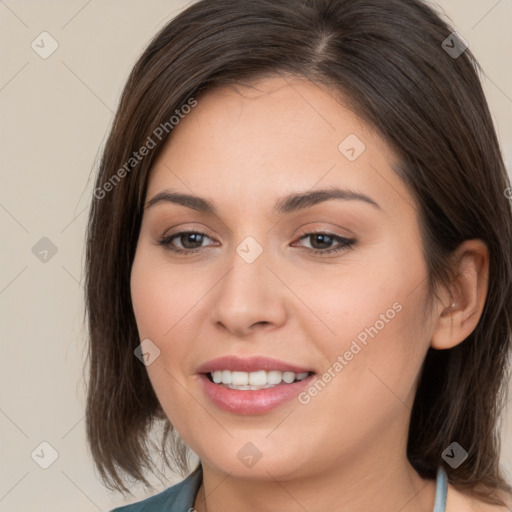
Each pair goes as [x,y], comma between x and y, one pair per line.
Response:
[344,243]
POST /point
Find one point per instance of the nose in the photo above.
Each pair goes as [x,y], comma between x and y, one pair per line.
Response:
[249,297]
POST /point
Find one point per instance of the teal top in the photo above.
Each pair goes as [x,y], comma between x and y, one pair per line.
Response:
[181,496]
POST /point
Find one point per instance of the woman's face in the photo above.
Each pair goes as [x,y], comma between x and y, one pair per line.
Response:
[256,287]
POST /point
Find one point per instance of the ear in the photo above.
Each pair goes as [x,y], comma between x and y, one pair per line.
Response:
[464,302]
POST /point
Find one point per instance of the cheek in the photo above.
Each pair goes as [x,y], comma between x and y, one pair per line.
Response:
[378,340]
[381,359]
[370,378]
[160,297]
[351,294]
[160,309]
[168,304]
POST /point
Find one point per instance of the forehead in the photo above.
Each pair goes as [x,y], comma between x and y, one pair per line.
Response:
[256,142]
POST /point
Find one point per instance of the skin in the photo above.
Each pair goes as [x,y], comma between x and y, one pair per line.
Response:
[243,148]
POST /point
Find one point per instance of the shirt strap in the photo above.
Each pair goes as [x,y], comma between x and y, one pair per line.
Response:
[441,490]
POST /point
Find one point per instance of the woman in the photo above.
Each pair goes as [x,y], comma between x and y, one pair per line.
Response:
[298,264]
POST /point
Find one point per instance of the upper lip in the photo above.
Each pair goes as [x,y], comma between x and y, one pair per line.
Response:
[249,364]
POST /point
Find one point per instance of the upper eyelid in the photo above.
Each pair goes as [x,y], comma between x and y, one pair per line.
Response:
[311,231]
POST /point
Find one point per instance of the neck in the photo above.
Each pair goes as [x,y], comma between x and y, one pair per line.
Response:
[360,485]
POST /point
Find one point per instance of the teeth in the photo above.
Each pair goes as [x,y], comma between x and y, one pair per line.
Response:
[239,378]
[274,377]
[288,377]
[255,380]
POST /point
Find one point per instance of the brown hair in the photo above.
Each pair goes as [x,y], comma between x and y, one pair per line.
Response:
[388,59]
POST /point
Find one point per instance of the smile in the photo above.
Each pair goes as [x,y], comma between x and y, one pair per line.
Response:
[260,379]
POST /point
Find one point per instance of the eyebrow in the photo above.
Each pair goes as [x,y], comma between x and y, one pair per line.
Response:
[287,204]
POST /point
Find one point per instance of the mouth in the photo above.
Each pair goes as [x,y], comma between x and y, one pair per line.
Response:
[253,393]
[256,380]
[252,385]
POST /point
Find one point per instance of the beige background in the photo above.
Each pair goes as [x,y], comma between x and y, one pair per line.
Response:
[55,116]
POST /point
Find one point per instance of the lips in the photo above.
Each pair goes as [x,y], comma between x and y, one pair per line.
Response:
[250,364]
[253,401]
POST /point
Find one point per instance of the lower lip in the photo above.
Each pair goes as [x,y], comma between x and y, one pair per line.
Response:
[252,401]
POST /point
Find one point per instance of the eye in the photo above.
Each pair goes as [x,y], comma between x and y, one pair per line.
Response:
[191,242]
[323,238]
[188,239]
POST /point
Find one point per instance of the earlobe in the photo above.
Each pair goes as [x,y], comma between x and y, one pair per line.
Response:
[455,322]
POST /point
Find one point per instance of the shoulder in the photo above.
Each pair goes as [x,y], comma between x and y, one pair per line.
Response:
[177,498]
[459,502]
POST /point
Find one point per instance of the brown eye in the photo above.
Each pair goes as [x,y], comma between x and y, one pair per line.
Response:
[191,241]
[319,241]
